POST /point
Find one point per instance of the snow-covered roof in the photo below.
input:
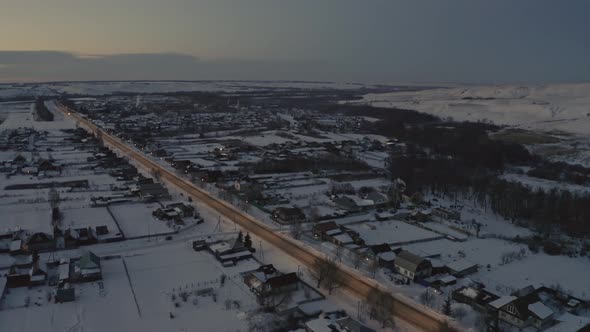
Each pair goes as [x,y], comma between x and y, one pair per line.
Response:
[15,245]
[334,231]
[469,292]
[387,256]
[540,310]
[64,271]
[343,238]
[460,265]
[319,325]
[219,247]
[504,300]
[448,279]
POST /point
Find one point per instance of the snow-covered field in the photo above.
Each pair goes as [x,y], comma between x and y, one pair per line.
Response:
[392,232]
[100,88]
[137,219]
[558,107]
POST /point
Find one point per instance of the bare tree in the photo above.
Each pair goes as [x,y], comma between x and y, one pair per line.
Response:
[339,252]
[460,313]
[270,299]
[381,305]
[396,191]
[53,198]
[296,230]
[265,322]
[357,259]
[314,214]
[324,270]
[156,173]
[373,267]
[333,281]
[99,138]
[426,298]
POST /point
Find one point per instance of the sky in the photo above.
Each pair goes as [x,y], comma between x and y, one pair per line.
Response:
[378,41]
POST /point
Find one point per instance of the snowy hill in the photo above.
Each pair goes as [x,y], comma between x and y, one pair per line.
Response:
[100,88]
[561,107]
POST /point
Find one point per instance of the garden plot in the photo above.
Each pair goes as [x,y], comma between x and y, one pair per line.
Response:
[445,229]
[163,278]
[491,223]
[111,309]
[137,219]
[263,139]
[570,274]
[374,159]
[88,217]
[392,232]
[480,251]
[30,217]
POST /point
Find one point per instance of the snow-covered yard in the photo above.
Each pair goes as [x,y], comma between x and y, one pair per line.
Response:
[136,219]
[392,232]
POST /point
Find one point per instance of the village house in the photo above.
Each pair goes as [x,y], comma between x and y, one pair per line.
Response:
[230,253]
[412,266]
[477,298]
[383,254]
[326,230]
[377,198]
[88,267]
[262,283]
[86,236]
[65,239]
[461,268]
[175,211]
[152,191]
[185,210]
[290,215]
[336,322]
[18,276]
[38,242]
[523,309]
[15,247]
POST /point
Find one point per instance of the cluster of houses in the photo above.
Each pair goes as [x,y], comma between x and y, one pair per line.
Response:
[228,252]
[24,243]
[271,287]
[175,212]
[408,265]
[62,274]
[529,307]
[336,321]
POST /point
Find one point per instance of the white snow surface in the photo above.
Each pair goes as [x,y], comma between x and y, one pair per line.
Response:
[101,88]
[561,107]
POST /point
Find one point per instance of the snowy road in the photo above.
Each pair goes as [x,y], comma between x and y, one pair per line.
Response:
[356,283]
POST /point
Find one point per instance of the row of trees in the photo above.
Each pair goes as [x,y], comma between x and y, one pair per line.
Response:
[560,171]
[511,200]
[41,111]
[301,164]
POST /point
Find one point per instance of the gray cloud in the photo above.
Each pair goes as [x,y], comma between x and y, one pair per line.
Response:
[53,65]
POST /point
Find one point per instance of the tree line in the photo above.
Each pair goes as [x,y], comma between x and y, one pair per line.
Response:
[41,111]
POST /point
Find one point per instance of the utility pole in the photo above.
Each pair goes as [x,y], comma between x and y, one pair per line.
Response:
[261,252]
[218,226]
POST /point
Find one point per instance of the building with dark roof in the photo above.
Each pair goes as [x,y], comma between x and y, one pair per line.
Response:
[290,215]
[412,266]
